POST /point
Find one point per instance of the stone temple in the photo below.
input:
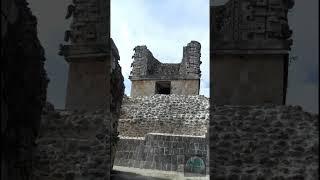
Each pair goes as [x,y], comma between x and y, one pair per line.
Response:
[149,76]
[166,127]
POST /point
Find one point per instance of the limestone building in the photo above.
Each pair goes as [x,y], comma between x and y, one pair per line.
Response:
[92,55]
[149,76]
[249,51]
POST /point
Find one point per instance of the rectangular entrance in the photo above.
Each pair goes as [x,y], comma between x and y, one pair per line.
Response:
[163,87]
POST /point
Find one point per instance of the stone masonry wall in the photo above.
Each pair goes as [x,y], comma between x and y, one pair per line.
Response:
[80,144]
[246,142]
[263,142]
[181,87]
[145,66]
[23,88]
[74,145]
[117,94]
[146,70]
[190,65]
[175,114]
[165,152]
[185,87]
[255,79]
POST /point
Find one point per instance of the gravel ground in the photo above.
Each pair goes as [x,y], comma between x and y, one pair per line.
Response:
[126,173]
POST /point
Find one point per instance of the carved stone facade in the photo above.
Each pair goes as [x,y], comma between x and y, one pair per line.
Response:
[90,22]
[249,48]
[95,84]
[149,76]
[91,55]
[250,20]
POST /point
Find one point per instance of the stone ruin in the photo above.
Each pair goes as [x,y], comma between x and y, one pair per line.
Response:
[252,135]
[263,142]
[175,114]
[244,141]
[249,45]
[75,145]
[163,111]
[92,55]
[79,142]
[23,89]
[163,131]
[250,139]
[149,76]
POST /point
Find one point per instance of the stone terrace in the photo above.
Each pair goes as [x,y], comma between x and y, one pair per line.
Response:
[175,114]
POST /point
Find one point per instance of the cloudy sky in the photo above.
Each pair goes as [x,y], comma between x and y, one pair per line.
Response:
[165,26]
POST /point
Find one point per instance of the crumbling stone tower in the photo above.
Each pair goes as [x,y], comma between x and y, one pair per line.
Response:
[149,76]
[249,51]
[91,55]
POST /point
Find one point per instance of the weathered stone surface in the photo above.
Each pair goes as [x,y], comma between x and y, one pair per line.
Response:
[92,56]
[23,88]
[250,23]
[249,79]
[249,51]
[267,141]
[246,142]
[80,144]
[161,151]
[90,22]
[175,114]
[117,95]
[88,85]
[148,69]
[180,87]
[75,144]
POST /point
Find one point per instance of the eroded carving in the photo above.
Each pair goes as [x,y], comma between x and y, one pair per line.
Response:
[146,66]
[242,20]
[67,35]
[70,11]
[89,23]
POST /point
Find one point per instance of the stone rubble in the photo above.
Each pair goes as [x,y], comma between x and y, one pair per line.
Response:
[74,144]
[175,114]
[246,142]
[264,142]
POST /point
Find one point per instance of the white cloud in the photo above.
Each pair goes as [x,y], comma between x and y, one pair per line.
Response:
[136,23]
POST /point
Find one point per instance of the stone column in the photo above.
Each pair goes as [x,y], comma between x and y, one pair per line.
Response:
[94,82]
[249,52]
[89,55]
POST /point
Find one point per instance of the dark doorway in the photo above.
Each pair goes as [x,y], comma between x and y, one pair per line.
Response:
[163,87]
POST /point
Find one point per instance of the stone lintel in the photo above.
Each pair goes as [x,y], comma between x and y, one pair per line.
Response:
[160,78]
[88,57]
[258,51]
[82,50]
[252,45]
